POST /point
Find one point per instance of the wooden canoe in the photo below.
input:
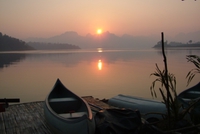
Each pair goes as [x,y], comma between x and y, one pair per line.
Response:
[67,113]
[191,93]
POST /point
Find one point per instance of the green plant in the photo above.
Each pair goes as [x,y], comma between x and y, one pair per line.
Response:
[196,61]
[167,89]
[175,113]
[173,105]
[195,109]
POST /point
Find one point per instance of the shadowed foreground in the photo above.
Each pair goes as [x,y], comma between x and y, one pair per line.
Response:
[29,118]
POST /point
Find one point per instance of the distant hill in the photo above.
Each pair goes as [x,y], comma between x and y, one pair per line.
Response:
[185,37]
[105,40]
[177,44]
[111,40]
[51,46]
[8,43]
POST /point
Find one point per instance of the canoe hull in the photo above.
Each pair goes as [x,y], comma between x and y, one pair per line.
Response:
[143,105]
[66,112]
[191,93]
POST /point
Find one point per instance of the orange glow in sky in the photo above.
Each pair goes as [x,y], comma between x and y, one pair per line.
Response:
[24,19]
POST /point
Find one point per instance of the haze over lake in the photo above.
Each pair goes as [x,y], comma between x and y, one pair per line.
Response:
[125,31]
[101,73]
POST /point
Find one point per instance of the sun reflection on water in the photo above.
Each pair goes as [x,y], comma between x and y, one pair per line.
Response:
[100,65]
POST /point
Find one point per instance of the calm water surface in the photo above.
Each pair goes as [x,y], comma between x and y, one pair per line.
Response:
[100,73]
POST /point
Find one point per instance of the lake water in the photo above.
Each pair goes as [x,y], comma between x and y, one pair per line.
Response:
[100,73]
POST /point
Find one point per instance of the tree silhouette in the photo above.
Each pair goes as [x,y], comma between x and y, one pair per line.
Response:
[8,43]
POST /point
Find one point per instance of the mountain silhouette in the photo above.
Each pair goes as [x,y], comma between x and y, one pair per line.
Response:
[105,40]
[111,40]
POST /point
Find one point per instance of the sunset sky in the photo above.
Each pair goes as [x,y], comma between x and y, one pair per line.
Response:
[46,18]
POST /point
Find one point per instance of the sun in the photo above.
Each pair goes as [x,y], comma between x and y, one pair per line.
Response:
[99,31]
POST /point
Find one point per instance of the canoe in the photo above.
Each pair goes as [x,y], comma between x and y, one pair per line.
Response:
[144,105]
[67,113]
[191,93]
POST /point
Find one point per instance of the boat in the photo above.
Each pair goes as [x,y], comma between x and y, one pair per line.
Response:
[191,93]
[67,113]
[150,109]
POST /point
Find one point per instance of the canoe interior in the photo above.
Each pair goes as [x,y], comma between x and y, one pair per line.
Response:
[62,101]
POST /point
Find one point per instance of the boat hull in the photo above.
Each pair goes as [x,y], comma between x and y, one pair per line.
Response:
[191,93]
[67,113]
[145,106]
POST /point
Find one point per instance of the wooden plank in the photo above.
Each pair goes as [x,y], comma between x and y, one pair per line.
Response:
[10,100]
[24,118]
[2,126]
[96,102]
[29,118]
[2,107]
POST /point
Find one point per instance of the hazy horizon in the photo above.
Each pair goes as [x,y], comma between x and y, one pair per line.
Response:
[24,19]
